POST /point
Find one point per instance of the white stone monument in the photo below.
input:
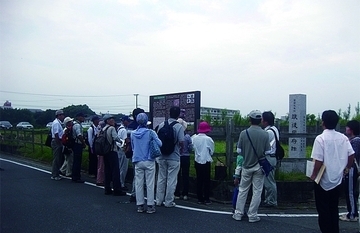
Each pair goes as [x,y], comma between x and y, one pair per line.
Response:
[297,124]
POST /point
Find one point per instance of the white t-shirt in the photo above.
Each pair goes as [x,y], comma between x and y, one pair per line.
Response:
[333,149]
[56,128]
[203,147]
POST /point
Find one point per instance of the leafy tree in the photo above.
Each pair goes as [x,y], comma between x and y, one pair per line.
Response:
[311,120]
[72,110]
[223,116]
[42,118]
[207,117]
[14,116]
[237,119]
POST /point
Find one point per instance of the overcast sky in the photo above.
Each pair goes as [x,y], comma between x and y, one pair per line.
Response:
[240,54]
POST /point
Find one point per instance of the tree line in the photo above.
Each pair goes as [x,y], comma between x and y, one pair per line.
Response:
[40,119]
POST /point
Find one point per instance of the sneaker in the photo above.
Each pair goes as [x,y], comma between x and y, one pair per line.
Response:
[254,219]
[176,197]
[237,216]
[172,204]
[186,198]
[140,209]
[345,218]
[56,178]
[150,210]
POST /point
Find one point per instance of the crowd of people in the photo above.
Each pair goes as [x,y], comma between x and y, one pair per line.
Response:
[166,178]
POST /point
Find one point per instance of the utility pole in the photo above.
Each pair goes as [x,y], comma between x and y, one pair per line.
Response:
[136,100]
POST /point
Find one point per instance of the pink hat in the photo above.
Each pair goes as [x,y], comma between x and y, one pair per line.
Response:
[204,127]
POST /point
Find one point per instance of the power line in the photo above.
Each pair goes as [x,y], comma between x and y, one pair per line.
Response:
[74,96]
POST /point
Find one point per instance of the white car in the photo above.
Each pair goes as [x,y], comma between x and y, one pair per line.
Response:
[24,125]
[48,125]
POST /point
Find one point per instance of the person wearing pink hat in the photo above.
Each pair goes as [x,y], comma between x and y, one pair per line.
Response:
[204,148]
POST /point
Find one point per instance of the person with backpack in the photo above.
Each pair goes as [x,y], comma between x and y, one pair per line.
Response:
[270,188]
[68,143]
[78,148]
[144,163]
[171,134]
[56,145]
[92,131]
[111,161]
[203,148]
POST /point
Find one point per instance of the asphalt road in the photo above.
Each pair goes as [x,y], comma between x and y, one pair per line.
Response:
[32,202]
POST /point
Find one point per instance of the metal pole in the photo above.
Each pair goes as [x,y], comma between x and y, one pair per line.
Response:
[136,100]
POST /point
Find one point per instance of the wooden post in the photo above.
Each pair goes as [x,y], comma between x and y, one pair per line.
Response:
[229,145]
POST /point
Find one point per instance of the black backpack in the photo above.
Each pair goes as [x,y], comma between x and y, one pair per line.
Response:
[166,135]
[280,153]
[102,146]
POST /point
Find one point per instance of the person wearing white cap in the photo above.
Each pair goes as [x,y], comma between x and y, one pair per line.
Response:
[252,145]
[66,168]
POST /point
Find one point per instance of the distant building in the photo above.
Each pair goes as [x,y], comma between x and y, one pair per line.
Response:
[7,105]
[216,113]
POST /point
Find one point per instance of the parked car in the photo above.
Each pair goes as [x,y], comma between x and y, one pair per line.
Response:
[48,125]
[5,125]
[24,125]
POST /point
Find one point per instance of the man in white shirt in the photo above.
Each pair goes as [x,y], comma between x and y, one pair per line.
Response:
[268,120]
[56,145]
[334,150]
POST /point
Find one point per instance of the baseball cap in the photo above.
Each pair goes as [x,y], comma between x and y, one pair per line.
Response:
[255,114]
[67,119]
[59,112]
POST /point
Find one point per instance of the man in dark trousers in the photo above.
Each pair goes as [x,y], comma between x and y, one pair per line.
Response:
[333,150]
[78,148]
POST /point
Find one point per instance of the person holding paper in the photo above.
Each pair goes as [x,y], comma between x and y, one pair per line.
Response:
[334,150]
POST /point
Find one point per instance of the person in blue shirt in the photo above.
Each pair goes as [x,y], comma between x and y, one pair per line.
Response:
[144,163]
